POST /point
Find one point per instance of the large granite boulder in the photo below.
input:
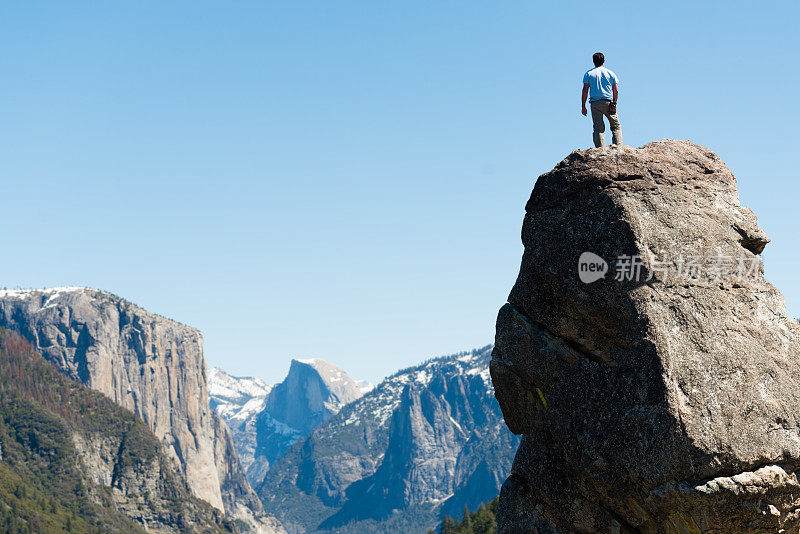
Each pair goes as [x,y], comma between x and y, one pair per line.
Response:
[656,379]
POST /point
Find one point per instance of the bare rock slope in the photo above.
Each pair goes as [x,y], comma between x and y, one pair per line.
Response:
[266,421]
[148,364]
[664,400]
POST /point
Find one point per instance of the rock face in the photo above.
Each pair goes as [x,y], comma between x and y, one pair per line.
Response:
[313,391]
[72,458]
[239,400]
[426,441]
[148,364]
[665,402]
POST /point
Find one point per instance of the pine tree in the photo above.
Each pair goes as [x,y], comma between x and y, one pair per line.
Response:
[466,524]
[448,525]
[481,521]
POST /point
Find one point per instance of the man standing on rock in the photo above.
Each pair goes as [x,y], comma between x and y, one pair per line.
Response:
[601,86]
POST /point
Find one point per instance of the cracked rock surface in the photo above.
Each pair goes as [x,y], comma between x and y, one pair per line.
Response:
[665,395]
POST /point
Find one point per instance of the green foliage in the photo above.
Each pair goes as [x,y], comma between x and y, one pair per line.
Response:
[481,521]
[43,488]
[407,521]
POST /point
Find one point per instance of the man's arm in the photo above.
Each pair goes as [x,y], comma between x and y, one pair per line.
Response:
[615,88]
[585,95]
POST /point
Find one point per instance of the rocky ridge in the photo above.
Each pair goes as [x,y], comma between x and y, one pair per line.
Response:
[661,394]
[239,400]
[145,363]
[424,442]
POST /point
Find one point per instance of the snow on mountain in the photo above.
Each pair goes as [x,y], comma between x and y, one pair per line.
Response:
[427,440]
[381,400]
[238,400]
[365,386]
[266,420]
[28,293]
[235,389]
[236,397]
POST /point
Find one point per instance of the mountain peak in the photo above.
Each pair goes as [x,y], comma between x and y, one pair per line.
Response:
[48,300]
[22,293]
[342,389]
[313,390]
[267,420]
[308,361]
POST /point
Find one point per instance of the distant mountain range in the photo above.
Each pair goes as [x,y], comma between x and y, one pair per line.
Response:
[267,420]
[425,442]
[239,400]
[109,421]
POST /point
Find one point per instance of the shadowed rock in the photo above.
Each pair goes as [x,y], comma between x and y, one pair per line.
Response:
[663,400]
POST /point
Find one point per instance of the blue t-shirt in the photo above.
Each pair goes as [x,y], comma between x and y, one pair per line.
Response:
[600,80]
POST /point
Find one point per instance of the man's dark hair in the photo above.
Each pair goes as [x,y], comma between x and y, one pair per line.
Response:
[598,59]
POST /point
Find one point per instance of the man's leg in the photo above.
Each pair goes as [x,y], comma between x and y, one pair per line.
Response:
[616,129]
[598,124]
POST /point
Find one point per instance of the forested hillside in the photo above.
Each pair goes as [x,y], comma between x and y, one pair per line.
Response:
[480,521]
[73,461]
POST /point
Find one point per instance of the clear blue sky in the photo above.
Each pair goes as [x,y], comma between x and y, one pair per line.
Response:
[347,180]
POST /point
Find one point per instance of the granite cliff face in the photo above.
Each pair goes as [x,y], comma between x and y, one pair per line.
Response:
[426,441]
[659,392]
[145,363]
[264,426]
[73,461]
[312,392]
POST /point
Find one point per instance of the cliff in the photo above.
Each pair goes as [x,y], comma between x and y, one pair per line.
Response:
[73,461]
[312,392]
[145,363]
[648,364]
